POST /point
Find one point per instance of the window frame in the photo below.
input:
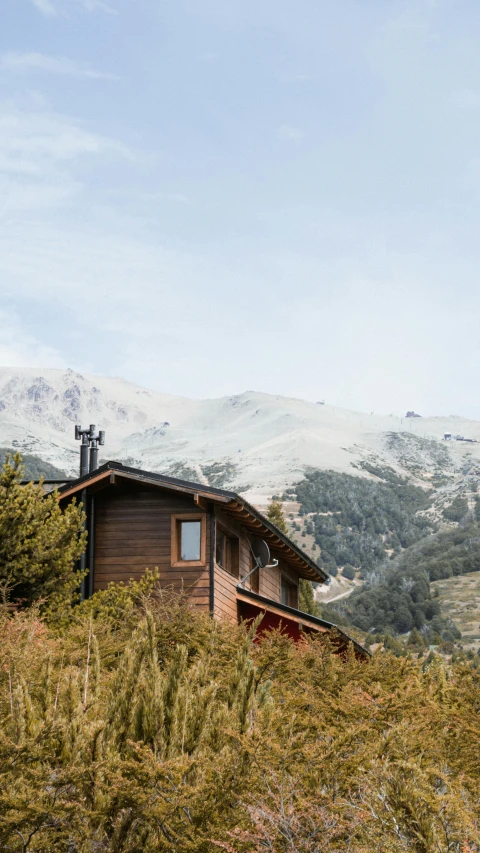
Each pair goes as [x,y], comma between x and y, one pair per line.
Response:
[232,549]
[177,519]
[292,590]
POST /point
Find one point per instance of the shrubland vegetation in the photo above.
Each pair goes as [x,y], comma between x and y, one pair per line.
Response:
[139,726]
[129,723]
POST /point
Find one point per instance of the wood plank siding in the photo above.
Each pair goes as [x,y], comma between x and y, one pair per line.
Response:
[268,580]
[133,532]
[138,519]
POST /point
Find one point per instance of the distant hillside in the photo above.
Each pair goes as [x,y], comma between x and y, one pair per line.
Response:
[359,522]
[256,443]
[35,467]
[394,537]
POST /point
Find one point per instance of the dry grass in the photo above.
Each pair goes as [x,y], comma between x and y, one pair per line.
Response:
[460,600]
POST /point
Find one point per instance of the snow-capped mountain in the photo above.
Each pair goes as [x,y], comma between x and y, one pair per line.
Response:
[253,442]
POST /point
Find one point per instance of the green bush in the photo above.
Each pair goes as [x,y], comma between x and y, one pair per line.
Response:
[457,510]
[348,572]
[164,731]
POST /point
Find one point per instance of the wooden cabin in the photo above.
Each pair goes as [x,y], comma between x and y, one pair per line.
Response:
[202,540]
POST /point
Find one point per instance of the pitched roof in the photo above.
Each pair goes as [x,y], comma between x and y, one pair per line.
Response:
[231,503]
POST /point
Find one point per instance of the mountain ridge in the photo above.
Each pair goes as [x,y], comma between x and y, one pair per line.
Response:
[262,442]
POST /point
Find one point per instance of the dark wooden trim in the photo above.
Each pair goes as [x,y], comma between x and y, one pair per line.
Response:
[212,559]
[151,481]
[82,486]
[91,546]
[83,557]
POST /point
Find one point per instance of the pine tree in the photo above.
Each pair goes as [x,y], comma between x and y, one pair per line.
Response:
[39,542]
[276,516]
[306,598]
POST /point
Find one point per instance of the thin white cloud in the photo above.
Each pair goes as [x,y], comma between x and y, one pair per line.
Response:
[45,7]
[19,348]
[39,150]
[40,136]
[94,5]
[292,134]
[25,62]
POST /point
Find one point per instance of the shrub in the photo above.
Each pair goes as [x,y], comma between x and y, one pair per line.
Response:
[348,572]
[164,731]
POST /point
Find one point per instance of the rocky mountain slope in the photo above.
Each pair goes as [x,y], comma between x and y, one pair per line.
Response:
[253,442]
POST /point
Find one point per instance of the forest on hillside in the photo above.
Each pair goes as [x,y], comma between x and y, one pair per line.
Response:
[399,596]
[357,521]
[35,467]
[380,528]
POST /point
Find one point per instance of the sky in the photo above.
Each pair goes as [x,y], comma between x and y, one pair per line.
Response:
[210,196]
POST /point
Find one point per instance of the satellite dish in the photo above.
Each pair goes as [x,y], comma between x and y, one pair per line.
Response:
[261,552]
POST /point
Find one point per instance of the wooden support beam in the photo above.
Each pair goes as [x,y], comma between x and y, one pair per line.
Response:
[200,501]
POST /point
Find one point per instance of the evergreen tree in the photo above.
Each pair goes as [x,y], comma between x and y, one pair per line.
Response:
[39,542]
[306,599]
[348,572]
[276,516]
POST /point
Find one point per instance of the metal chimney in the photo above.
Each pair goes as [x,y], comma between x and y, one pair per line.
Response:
[90,441]
[89,447]
[95,441]
[82,435]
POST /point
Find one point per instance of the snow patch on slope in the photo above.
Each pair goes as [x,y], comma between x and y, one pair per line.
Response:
[262,442]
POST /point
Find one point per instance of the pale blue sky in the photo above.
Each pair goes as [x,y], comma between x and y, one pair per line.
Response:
[207,196]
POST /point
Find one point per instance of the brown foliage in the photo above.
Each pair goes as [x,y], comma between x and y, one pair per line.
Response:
[165,731]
